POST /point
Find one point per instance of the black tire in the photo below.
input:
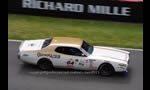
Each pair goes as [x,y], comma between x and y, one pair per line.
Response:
[106,70]
[45,64]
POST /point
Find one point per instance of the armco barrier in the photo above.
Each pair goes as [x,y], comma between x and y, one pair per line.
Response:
[81,9]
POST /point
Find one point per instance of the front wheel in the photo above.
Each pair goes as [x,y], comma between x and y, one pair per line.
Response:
[106,70]
[45,64]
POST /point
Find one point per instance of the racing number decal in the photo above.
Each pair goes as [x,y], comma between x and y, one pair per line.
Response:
[70,63]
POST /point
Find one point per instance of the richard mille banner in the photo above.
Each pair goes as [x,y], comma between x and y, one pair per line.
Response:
[82,9]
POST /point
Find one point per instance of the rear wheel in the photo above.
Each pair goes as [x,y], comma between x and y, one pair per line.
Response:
[45,64]
[106,70]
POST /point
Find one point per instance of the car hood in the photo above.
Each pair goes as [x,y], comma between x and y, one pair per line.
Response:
[110,53]
[29,45]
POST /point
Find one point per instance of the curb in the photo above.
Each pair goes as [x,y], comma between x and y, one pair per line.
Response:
[96,46]
[15,40]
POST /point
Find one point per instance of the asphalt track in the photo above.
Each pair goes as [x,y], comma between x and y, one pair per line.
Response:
[28,77]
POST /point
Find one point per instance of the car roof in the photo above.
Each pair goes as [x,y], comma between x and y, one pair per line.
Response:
[67,41]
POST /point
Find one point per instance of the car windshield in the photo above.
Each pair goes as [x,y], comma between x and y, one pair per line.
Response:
[88,48]
[47,42]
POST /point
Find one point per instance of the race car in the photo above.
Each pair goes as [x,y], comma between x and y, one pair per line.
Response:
[73,53]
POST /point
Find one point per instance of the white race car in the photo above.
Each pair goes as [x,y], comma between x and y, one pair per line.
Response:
[73,53]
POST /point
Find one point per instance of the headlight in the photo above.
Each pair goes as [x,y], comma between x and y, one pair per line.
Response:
[18,56]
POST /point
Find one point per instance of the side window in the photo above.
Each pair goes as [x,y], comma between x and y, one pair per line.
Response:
[69,51]
[60,50]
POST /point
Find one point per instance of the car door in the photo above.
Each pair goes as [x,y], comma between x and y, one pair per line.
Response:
[71,58]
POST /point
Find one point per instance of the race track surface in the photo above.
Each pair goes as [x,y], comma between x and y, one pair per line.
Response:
[28,77]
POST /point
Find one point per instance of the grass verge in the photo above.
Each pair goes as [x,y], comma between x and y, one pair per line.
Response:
[103,33]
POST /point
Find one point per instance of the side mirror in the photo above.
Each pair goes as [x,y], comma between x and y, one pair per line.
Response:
[83,55]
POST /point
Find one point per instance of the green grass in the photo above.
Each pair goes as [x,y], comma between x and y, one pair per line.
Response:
[104,33]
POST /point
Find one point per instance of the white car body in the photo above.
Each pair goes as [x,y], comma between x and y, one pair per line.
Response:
[31,51]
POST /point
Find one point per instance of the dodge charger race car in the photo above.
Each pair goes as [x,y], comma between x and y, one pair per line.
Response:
[73,53]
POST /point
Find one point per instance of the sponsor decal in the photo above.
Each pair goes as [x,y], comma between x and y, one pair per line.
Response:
[54,6]
[122,65]
[48,55]
[25,55]
[86,61]
[56,56]
[91,61]
[77,7]
[43,54]
[108,10]
[81,63]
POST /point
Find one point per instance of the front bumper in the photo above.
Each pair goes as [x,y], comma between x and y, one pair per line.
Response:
[129,59]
